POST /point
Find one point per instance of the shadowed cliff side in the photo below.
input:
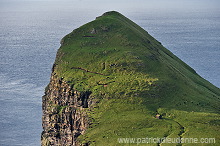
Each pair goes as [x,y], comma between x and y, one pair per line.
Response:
[64,118]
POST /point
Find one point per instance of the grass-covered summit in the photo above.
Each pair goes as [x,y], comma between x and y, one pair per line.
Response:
[132,77]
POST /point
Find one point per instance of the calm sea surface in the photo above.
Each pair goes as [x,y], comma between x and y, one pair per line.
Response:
[30,32]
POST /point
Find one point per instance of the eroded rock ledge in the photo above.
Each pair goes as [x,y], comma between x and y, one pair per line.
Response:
[64,117]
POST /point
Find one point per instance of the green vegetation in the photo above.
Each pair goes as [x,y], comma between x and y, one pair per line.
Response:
[60,109]
[133,77]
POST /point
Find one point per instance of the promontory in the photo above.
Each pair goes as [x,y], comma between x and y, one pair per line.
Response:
[113,84]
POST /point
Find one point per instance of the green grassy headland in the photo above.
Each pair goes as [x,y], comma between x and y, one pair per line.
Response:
[133,77]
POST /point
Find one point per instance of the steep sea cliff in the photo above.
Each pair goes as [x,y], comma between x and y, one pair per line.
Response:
[64,117]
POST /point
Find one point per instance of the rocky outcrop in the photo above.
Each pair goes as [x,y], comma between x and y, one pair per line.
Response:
[64,117]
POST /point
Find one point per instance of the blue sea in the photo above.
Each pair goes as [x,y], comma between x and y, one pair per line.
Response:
[30,32]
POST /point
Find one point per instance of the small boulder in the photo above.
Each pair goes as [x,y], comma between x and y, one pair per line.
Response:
[158,116]
[93,31]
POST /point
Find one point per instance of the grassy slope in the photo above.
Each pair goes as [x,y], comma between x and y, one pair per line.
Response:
[133,77]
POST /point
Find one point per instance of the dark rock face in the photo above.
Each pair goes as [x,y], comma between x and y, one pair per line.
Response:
[63,118]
